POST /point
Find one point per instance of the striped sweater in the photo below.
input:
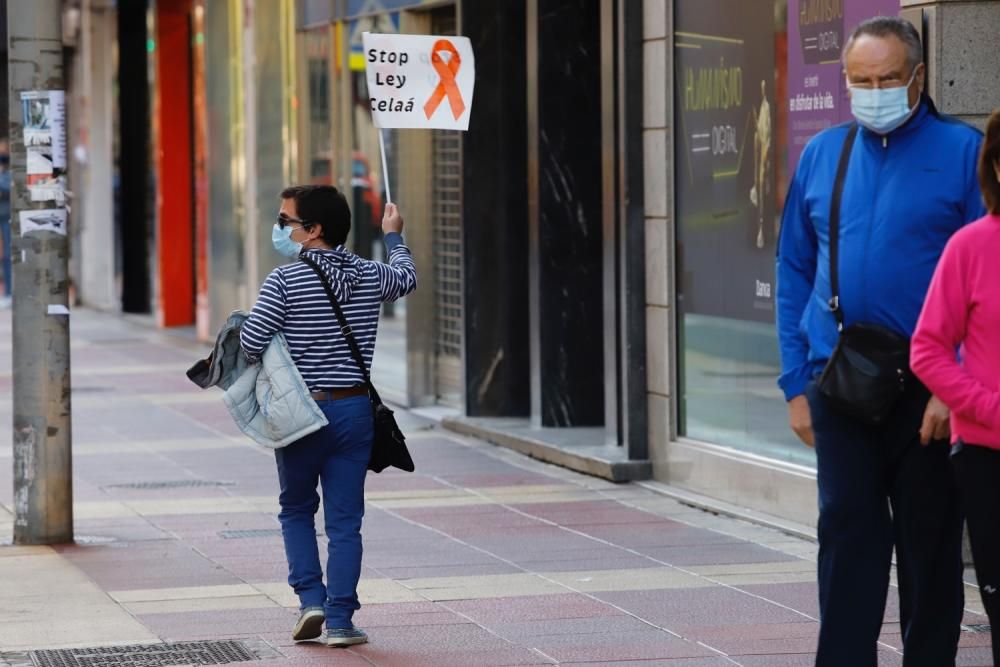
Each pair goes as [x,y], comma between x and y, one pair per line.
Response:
[293,301]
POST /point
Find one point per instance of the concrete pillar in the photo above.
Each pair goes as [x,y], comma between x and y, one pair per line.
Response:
[657,146]
[414,194]
[42,419]
[963,64]
[963,60]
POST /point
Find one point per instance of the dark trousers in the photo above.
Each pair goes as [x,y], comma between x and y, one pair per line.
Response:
[879,488]
[977,470]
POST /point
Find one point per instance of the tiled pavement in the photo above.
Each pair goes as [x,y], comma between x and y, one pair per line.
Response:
[482,557]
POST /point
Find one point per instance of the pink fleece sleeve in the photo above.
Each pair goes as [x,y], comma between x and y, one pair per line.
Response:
[940,330]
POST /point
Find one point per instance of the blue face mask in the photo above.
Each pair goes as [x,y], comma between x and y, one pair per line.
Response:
[882,110]
[283,243]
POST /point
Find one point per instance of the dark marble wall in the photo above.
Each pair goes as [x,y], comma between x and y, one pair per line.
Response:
[497,365]
[570,237]
[134,214]
[633,406]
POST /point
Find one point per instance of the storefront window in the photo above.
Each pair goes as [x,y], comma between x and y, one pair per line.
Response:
[367,179]
[755,80]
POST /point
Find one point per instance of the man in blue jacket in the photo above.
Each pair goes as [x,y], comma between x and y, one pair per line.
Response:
[910,184]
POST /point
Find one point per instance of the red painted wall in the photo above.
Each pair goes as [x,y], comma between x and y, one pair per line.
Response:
[200,118]
[175,227]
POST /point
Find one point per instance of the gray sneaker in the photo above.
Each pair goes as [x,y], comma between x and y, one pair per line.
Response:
[310,625]
[344,637]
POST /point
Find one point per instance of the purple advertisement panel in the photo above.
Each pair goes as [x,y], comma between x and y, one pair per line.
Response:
[817,94]
[726,101]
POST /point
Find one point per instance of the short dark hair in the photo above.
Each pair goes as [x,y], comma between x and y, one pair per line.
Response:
[322,205]
[883,26]
[988,159]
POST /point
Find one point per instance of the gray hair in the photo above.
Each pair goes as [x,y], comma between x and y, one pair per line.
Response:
[883,26]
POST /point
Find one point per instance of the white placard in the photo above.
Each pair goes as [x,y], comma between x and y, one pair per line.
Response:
[419,81]
[43,220]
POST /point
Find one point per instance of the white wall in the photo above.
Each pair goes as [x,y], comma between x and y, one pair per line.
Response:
[94,105]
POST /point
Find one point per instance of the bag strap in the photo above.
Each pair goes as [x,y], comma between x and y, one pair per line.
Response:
[838,191]
[345,327]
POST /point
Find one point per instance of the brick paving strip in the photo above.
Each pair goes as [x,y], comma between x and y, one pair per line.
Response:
[483,557]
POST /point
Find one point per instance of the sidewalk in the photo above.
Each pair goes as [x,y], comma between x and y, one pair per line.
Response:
[483,557]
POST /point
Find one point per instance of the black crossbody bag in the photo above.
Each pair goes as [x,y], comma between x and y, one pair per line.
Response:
[389,444]
[870,367]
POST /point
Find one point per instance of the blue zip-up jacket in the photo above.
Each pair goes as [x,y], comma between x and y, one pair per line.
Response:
[905,194]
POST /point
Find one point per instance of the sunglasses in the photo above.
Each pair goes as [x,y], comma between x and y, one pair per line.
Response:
[287,220]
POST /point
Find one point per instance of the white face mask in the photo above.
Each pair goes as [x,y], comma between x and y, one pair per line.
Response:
[882,110]
[281,238]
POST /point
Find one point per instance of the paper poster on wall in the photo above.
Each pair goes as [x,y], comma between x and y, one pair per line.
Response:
[36,117]
[43,220]
[39,162]
[44,117]
[57,119]
[817,92]
[725,157]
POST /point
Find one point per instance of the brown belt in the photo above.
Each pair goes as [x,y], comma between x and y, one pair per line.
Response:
[339,394]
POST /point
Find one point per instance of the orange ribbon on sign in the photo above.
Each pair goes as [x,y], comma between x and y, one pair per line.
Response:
[448,86]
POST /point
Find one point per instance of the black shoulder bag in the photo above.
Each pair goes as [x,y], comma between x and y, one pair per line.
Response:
[869,368]
[389,444]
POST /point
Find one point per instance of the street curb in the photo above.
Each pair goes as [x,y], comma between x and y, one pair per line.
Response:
[698,501]
[587,460]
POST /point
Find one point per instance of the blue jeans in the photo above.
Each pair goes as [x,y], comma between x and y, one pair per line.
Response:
[335,457]
[879,488]
[5,233]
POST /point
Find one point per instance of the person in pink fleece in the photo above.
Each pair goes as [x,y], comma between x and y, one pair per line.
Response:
[955,351]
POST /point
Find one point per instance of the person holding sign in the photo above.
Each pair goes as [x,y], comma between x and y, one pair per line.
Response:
[312,226]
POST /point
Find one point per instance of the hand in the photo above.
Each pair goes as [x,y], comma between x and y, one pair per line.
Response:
[800,419]
[392,221]
[936,422]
